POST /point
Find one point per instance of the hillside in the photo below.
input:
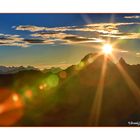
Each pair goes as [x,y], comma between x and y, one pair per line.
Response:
[81,95]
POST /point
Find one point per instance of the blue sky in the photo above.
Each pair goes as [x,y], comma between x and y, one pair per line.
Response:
[46,40]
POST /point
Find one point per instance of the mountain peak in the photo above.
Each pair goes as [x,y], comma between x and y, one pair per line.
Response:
[122,61]
[88,56]
[96,59]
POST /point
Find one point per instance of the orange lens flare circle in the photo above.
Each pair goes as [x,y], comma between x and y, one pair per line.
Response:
[11,107]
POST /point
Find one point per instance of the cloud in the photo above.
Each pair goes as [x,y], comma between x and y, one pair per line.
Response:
[100,32]
[33,28]
[107,28]
[16,40]
[138,54]
[11,40]
[38,41]
[132,17]
[29,28]
[79,39]
[65,37]
[50,35]
[74,38]
[101,28]
[96,32]
[124,51]
[123,35]
[34,40]
[98,27]
[111,30]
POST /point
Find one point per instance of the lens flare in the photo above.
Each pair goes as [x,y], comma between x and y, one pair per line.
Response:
[41,87]
[28,93]
[63,74]
[15,97]
[52,80]
[11,107]
[80,65]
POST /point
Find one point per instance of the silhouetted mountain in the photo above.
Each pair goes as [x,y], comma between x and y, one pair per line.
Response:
[76,95]
[122,61]
[88,56]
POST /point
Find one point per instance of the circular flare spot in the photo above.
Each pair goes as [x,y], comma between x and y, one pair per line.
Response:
[28,93]
[15,97]
[11,107]
[63,74]
[52,80]
[80,65]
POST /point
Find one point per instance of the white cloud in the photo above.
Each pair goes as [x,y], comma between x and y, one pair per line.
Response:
[98,27]
[29,28]
[65,38]
[123,35]
[138,54]
[99,32]
[33,28]
[132,17]
[11,40]
[124,51]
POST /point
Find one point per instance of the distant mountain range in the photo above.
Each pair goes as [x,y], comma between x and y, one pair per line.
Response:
[7,70]
[71,69]
[13,69]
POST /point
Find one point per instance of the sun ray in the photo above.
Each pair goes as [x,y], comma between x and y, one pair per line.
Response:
[131,84]
[97,102]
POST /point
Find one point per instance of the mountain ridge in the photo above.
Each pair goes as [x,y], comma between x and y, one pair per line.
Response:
[87,59]
[67,97]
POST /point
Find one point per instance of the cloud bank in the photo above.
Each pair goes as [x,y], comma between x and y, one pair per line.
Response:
[132,17]
[88,33]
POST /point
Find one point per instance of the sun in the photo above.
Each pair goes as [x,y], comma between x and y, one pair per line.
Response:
[107,48]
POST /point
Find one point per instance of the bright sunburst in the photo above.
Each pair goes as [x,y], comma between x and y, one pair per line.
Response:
[107,49]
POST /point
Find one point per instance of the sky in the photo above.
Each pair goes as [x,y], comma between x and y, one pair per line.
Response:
[61,40]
